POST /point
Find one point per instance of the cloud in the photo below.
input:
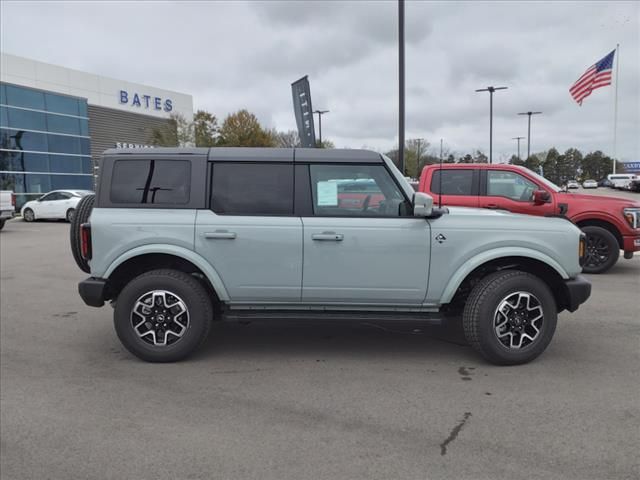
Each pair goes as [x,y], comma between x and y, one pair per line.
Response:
[233,55]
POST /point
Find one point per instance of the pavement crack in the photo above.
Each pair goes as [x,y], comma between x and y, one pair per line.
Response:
[454,433]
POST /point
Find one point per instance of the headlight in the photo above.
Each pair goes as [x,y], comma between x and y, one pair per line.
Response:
[632,216]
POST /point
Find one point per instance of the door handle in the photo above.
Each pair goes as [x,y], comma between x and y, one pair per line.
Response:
[220,234]
[327,237]
[491,205]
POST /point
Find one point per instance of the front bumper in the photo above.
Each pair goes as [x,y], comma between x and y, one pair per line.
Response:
[93,291]
[631,243]
[577,291]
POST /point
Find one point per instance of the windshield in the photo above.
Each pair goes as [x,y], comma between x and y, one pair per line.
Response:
[547,183]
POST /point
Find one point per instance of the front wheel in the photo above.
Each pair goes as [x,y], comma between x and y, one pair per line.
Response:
[510,317]
[163,315]
[602,251]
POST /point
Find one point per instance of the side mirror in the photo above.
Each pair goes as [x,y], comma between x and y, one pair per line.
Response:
[422,204]
[541,197]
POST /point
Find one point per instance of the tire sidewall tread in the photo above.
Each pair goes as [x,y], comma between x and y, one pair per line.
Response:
[478,316]
[613,246]
[186,287]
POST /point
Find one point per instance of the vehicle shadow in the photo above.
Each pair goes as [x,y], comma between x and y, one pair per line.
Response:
[316,339]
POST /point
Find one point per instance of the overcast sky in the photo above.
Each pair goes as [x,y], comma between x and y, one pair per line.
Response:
[245,55]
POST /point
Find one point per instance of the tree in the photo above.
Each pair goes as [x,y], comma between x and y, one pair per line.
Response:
[451,158]
[206,129]
[514,160]
[288,139]
[325,144]
[466,159]
[242,129]
[414,156]
[550,166]
[176,132]
[480,157]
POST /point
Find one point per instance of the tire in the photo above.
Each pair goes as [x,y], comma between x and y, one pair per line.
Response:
[175,285]
[504,290]
[82,213]
[28,215]
[69,216]
[602,252]
[2,222]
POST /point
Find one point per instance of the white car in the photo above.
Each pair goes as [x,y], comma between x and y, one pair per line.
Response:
[58,204]
[589,184]
[573,184]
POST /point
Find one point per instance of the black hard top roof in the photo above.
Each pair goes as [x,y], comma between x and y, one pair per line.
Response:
[248,154]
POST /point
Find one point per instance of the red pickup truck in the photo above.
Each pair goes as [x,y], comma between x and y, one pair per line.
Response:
[611,224]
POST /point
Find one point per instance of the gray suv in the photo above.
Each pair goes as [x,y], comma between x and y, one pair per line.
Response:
[178,238]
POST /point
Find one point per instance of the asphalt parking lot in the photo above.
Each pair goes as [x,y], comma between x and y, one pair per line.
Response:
[305,402]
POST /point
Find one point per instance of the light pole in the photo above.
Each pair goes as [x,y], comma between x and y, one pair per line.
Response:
[320,113]
[529,131]
[491,90]
[401,85]
[518,139]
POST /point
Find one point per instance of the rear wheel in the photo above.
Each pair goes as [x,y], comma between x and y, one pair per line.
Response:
[163,315]
[2,222]
[80,216]
[510,317]
[28,215]
[69,215]
[602,250]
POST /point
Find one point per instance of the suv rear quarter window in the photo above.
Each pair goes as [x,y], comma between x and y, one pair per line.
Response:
[151,181]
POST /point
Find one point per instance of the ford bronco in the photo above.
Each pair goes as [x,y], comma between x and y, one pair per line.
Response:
[177,238]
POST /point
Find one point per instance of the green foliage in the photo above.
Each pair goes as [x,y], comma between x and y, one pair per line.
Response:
[206,129]
[242,129]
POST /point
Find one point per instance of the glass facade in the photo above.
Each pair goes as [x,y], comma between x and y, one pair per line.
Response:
[44,142]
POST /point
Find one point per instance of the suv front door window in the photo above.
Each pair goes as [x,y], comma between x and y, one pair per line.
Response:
[510,191]
[361,244]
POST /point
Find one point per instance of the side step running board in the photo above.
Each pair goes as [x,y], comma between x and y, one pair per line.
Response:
[331,316]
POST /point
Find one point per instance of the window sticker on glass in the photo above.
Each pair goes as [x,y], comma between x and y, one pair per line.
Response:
[327,194]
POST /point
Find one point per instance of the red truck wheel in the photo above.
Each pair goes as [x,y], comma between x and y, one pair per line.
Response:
[602,250]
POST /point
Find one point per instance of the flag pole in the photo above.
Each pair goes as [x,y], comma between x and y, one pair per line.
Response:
[615,109]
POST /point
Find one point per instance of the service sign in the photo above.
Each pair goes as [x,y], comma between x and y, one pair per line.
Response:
[304,113]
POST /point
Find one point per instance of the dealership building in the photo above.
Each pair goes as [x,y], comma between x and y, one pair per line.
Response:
[55,123]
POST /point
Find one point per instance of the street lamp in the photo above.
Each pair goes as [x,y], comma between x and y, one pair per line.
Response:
[320,113]
[529,131]
[518,139]
[491,90]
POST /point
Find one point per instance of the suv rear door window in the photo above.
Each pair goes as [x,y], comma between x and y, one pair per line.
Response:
[151,182]
[454,182]
[252,189]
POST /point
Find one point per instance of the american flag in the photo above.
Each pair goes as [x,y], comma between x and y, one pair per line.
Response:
[597,75]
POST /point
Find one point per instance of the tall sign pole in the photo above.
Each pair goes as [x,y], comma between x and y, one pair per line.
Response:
[401,85]
[320,113]
[518,139]
[529,131]
[491,90]
[615,110]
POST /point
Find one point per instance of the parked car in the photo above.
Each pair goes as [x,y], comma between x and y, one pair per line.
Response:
[178,237]
[611,224]
[589,184]
[635,185]
[621,180]
[605,182]
[7,206]
[573,184]
[58,204]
